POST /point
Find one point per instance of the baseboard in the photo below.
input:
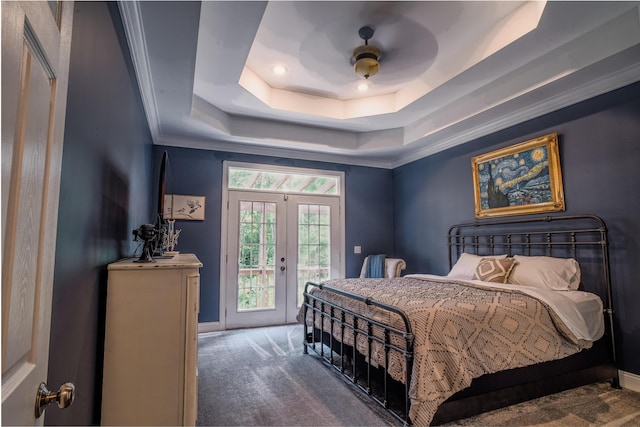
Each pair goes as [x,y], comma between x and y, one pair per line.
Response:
[209,327]
[629,380]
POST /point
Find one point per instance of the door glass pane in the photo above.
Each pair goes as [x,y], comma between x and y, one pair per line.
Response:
[314,245]
[256,258]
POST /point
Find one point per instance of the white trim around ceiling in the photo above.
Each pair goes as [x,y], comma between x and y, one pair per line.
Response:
[439,141]
[134,29]
[248,147]
[225,133]
[616,80]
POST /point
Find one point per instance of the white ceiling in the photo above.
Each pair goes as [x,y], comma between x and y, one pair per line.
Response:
[450,72]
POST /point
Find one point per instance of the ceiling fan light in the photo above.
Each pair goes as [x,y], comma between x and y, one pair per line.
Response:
[366,67]
[365,60]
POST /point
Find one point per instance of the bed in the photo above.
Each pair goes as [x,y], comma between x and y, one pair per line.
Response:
[432,349]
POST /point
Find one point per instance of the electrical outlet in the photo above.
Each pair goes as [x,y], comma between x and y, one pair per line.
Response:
[357,249]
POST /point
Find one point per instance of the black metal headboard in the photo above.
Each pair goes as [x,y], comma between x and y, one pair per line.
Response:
[582,237]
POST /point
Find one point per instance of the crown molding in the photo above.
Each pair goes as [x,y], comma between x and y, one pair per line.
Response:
[249,147]
[134,30]
[582,92]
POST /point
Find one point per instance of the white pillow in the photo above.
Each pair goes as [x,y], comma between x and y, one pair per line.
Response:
[465,267]
[546,272]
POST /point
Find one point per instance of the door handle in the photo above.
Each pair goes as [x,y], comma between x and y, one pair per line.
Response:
[283,268]
[64,396]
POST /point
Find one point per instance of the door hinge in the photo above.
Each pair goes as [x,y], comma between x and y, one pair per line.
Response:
[286,197]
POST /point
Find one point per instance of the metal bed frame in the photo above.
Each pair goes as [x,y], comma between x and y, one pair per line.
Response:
[560,236]
[350,368]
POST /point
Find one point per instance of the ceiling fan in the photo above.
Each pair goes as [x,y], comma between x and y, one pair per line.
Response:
[366,58]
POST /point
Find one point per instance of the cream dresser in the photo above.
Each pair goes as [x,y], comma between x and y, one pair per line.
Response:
[151,342]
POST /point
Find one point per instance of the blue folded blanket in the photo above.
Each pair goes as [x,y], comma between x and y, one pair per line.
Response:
[375,266]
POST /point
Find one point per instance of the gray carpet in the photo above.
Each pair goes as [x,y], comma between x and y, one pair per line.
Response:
[259,376]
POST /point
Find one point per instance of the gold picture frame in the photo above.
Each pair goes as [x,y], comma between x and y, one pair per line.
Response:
[522,179]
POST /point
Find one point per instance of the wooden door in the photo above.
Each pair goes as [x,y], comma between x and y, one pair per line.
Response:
[36,41]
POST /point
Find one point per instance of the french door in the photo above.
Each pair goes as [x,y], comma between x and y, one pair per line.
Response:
[276,243]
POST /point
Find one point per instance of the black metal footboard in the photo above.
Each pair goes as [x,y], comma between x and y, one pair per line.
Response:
[327,345]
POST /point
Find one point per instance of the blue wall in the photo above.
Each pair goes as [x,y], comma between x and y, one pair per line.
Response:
[600,155]
[105,194]
[368,211]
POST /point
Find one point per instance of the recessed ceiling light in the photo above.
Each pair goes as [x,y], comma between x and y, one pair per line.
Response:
[363,87]
[279,69]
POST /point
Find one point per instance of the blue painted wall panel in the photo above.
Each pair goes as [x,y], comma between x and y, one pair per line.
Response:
[105,193]
[368,211]
[599,153]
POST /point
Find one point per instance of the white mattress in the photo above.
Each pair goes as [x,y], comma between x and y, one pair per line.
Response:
[581,311]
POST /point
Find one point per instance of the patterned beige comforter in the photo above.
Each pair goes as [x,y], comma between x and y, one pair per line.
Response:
[461,332]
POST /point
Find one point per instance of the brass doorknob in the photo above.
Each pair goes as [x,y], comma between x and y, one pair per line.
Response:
[64,396]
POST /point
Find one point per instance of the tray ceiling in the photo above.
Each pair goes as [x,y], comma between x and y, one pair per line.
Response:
[450,72]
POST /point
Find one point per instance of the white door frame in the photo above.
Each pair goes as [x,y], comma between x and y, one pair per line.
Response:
[224,234]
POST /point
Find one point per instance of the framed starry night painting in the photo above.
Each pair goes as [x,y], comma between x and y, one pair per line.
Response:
[521,179]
